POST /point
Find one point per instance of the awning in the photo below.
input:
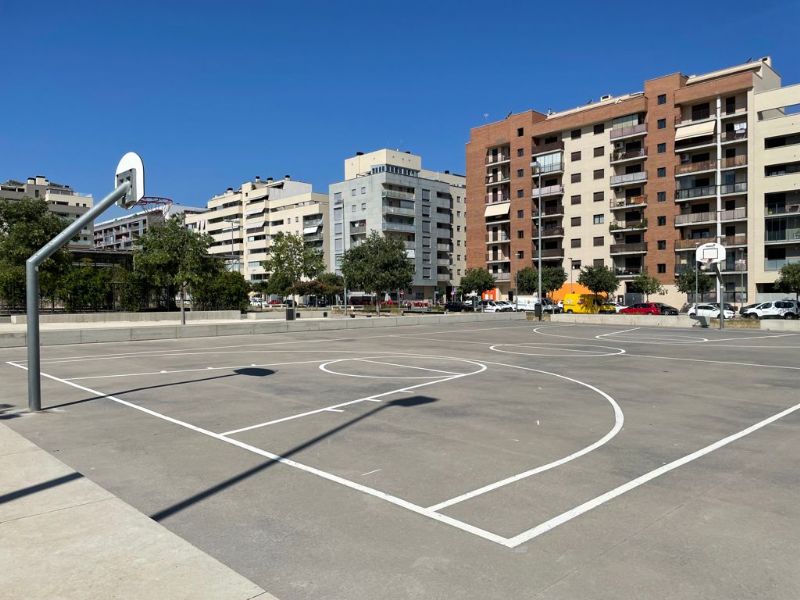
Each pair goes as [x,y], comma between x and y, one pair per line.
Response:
[256,224]
[309,230]
[690,131]
[495,210]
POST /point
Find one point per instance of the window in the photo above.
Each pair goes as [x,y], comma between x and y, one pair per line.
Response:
[662,244]
[353,192]
[575,178]
[520,254]
[520,151]
[598,219]
[661,196]
[599,262]
[520,172]
[662,220]
[599,196]
[520,234]
[353,208]
[599,173]
[662,123]
[575,156]
[662,171]
[520,131]
[520,193]
[363,191]
[598,241]
[576,199]
[575,134]
[520,214]
[363,206]
[575,265]
[598,151]
[782,169]
[661,267]
[662,98]
[782,140]
[575,243]
[426,242]
[599,128]
[662,147]
[575,221]
[426,194]
[337,196]
[426,226]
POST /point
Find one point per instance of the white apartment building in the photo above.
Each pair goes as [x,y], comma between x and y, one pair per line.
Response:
[122,232]
[388,191]
[243,222]
[61,199]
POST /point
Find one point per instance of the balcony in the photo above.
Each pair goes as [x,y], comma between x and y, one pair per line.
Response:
[550,253]
[636,248]
[627,272]
[444,247]
[550,232]
[686,168]
[496,159]
[443,233]
[443,262]
[396,210]
[620,226]
[497,258]
[501,276]
[497,179]
[733,136]
[398,195]
[547,148]
[620,156]
[412,245]
[739,239]
[736,214]
[443,276]
[395,226]
[696,192]
[546,169]
[550,190]
[734,162]
[617,133]
[777,263]
[497,239]
[633,201]
[733,188]
[314,237]
[785,236]
[550,211]
[491,198]
[358,229]
[628,178]
[777,211]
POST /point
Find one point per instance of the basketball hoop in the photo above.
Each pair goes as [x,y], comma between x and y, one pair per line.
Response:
[710,254]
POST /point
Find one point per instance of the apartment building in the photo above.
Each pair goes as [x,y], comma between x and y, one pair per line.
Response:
[243,222]
[388,191]
[638,181]
[122,232]
[61,199]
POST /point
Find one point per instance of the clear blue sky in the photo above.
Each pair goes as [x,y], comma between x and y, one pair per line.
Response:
[212,94]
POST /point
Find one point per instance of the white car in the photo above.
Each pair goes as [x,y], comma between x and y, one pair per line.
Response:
[709,311]
[490,306]
[780,309]
[504,306]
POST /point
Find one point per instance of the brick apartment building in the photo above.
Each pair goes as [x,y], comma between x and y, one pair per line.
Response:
[638,181]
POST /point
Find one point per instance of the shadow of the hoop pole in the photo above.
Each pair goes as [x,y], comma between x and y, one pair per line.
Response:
[223,485]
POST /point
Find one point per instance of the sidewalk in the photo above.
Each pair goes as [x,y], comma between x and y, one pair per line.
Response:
[65,537]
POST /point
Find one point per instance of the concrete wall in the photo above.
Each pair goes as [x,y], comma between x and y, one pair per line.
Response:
[635,320]
[198,315]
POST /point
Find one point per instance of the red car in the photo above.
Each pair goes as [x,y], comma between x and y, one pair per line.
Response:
[642,308]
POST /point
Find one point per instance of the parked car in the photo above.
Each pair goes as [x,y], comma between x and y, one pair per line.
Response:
[454,306]
[710,311]
[780,309]
[505,306]
[666,309]
[643,308]
[551,307]
[610,308]
[746,307]
[489,306]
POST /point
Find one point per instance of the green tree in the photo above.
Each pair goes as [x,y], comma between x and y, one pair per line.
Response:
[173,259]
[600,280]
[527,281]
[477,281]
[789,279]
[86,287]
[332,285]
[25,226]
[290,260]
[225,290]
[685,282]
[646,284]
[377,265]
[552,279]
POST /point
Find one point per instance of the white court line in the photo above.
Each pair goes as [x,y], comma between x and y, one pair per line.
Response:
[616,332]
[551,524]
[719,362]
[482,533]
[167,372]
[619,421]
[376,362]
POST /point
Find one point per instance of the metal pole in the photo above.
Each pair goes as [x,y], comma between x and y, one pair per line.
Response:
[718,178]
[32,289]
[539,236]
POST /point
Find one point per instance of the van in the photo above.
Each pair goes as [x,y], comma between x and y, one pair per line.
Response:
[582,304]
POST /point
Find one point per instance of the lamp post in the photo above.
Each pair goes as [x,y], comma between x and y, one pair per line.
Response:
[538,168]
[233,221]
[569,258]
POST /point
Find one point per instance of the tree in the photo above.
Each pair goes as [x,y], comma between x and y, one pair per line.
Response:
[173,258]
[332,285]
[646,284]
[599,279]
[377,265]
[477,281]
[25,226]
[86,287]
[789,279]
[685,281]
[290,260]
[527,281]
[552,279]
[226,290]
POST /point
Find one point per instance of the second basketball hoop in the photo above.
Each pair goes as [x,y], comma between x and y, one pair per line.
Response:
[710,254]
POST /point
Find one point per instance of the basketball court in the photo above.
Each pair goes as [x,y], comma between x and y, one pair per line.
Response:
[507,460]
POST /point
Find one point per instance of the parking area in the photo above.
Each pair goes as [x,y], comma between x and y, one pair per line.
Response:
[507,460]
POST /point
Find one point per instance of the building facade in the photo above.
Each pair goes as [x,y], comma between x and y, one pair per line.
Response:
[61,199]
[243,222]
[637,182]
[122,232]
[388,191]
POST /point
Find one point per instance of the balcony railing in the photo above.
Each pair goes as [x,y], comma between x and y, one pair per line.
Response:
[501,276]
[629,178]
[733,136]
[396,210]
[627,271]
[733,188]
[740,239]
[734,161]
[783,235]
[620,155]
[620,225]
[550,253]
[493,159]
[705,165]
[395,226]
[491,198]
[497,258]
[787,209]
[695,192]
[776,264]
[618,132]
[711,217]
[550,190]
[358,229]
[397,194]
[637,201]
[545,169]
[550,232]
[496,239]
[628,248]
[546,148]
[314,237]
[550,211]
[495,180]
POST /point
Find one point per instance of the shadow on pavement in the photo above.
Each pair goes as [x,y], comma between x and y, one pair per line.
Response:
[38,487]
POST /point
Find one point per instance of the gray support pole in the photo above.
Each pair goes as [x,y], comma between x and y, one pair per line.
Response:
[32,289]
[539,253]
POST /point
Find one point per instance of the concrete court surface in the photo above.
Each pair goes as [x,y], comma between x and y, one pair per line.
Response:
[483,460]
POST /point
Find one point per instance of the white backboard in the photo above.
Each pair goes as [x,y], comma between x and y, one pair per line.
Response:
[130,168]
[710,253]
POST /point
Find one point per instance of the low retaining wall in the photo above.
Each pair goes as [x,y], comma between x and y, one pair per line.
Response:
[134,317]
[635,320]
[243,327]
[281,314]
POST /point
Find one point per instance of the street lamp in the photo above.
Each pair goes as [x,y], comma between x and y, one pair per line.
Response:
[538,170]
[570,259]
[233,221]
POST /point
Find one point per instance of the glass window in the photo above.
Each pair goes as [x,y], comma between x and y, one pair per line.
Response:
[661,196]
[599,196]
[575,156]
[599,128]
[576,199]
[575,243]
[575,134]
[520,151]
[662,171]
[662,123]
[662,267]
[598,219]
[598,151]
[662,98]
[662,244]
[575,178]
[662,220]
[662,147]
[575,222]
[598,241]
[599,173]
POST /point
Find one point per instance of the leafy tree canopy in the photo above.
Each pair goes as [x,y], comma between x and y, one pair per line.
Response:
[789,279]
[379,264]
[290,260]
[685,282]
[646,284]
[477,281]
[600,279]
